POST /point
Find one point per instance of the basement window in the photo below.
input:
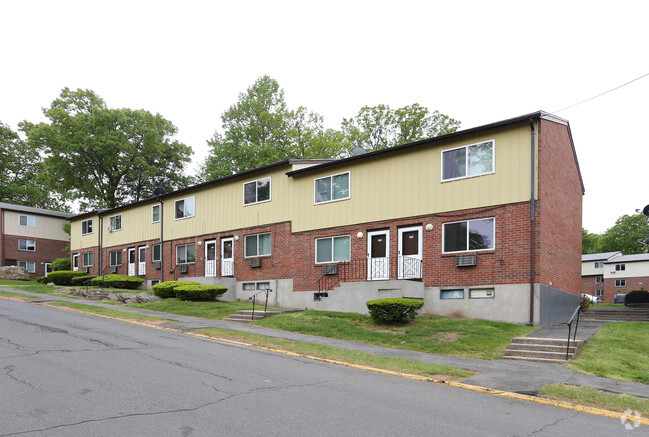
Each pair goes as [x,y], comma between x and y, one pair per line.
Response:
[481,293]
[452,294]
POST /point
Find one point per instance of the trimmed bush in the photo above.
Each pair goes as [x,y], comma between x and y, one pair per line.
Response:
[199,292]
[117,281]
[394,310]
[60,264]
[81,280]
[63,277]
[42,279]
[166,289]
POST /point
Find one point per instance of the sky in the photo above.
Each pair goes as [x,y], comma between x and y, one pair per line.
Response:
[476,61]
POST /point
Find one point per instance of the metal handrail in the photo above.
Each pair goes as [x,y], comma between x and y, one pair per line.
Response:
[254,299]
[572,319]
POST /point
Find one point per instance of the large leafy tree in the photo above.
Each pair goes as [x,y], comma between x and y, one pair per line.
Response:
[590,242]
[21,179]
[105,157]
[624,235]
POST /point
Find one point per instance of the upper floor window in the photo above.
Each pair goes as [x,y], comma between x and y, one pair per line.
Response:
[620,267]
[115,223]
[155,213]
[28,220]
[257,245]
[466,161]
[331,188]
[332,249]
[469,235]
[599,264]
[184,208]
[29,245]
[86,227]
[256,191]
[185,253]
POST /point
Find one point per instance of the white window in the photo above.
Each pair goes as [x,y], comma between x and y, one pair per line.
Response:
[29,245]
[452,294]
[599,265]
[599,279]
[88,259]
[332,188]
[467,161]
[156,254]
[116,258]
[184,208]
[469,235]
[27,220]
[599,293]
[155,213]
[186,254]
[620,267]
[115,223]
[257,245]
[256,191]
[30,266]
[481,293]
[332,249]
[86,227]
[620,282]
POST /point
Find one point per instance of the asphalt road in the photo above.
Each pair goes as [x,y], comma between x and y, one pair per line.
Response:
[68,374]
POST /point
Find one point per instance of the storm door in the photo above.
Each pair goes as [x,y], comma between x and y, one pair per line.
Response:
[410,253]
[378,255]
[210,258]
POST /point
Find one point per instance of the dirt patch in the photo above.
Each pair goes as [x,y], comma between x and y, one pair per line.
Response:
[447,337]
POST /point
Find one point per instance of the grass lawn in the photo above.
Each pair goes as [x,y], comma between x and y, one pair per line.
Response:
[448,336]
[606,305]
[440,371]
[8,294]
[32,285]
[594,398]
[216,310]
[619,350]
[104,311]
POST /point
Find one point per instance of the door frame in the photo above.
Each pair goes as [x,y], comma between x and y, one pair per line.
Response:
[227,264]
[216,257]
[402,259]
[141,261]
[131,265]
[378,269]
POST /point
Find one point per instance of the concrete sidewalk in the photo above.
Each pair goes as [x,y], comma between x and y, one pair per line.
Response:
[507,375]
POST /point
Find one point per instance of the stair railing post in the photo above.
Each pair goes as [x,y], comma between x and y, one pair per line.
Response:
[268,290]
[254,298]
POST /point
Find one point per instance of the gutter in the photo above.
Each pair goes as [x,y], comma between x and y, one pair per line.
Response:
[532,221]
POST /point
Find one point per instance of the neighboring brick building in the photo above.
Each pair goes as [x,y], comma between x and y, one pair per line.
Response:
[482,223]
[606,274]
[31,237]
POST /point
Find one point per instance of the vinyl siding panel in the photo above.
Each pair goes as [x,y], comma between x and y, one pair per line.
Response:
[46,227]
[136,226]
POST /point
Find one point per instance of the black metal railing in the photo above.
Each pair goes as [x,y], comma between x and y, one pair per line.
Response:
[182,269]
[575,316]
[253,298]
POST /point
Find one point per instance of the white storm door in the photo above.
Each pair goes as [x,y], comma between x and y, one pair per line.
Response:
[131,261]
[75,262]
[378,255]
[227,257]
[210,258]
[410,253]
[141,261]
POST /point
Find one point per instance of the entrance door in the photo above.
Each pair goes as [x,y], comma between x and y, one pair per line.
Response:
[378,255]
[48,268]
[227,257]
[210,258]
[410,253]
[141,260]
[131,261]
[75,262]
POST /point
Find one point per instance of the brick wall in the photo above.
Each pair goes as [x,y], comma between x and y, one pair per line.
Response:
[631,284]
[46,251]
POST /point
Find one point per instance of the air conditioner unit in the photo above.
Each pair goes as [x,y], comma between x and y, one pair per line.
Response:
[466,260]
[110,229]
[86,269]
[255,262]
[157,265]
[330,269]
[113,269]
[183,269]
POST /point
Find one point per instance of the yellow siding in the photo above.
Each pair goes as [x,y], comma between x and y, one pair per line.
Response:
[136,226]
[78,241]
[46,226]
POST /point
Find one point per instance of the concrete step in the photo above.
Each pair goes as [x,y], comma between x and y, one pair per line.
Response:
[546,341]
[538,360]
[543,347]
[554,355]
[246,316]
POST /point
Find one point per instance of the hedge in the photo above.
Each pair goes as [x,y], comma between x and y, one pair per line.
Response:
[166,289]
[63,277]
[393,310]
[60,264]
[81,280]
[199,292]
[117,281]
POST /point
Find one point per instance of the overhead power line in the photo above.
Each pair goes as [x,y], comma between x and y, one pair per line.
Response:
[600,95]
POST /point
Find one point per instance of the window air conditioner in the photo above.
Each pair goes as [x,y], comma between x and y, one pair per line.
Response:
[86,269]
[330,269]
[255,262]
[113,269]
[465,260]
[157,265]
[183,269]
[110,229]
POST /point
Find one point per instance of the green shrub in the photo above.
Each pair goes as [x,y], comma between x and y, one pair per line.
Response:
[166,289]
[60,264]
[42,279]
[81,280]
[63,277]
[393,310]
[199,292]
[117,281]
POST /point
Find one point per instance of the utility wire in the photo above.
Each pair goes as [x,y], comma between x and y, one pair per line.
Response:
[600,95]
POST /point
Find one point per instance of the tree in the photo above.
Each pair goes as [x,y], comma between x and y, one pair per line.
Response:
[624,235]
[21,179]
[590,243]
[106,157]
[379,127]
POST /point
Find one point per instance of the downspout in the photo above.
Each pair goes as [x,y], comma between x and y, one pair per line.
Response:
[2,243]
[101,246]
[162,220]
[532,222]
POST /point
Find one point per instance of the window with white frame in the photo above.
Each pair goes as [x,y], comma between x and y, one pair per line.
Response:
[116,258]
[155,213]
[256,191]
[481,293]
[620,267]
[457,293]
[599,293]
[30,266]
[332,188]
[599,279]
[115,223]
[466,161]
[184,208]
[257,245]
[620,282]
[468,235]
[599,265]
[88,259]
[27,220]
[156,253]
[186,253]
[332,249]
[86,227]
[29,245]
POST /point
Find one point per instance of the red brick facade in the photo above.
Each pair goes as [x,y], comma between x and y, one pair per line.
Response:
[46,251]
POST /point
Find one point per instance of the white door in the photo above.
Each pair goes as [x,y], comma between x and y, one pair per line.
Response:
[410,253]
[75,262]
[141,261]
[48,268]
[131,261]
[210,258]
[227,257]
[378,255]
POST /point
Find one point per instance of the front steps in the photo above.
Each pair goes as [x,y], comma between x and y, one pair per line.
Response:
[545,350]
[623,314]
[245,316]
